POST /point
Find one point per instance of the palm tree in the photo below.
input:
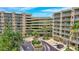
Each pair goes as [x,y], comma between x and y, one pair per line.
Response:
[9,40]
[75,29]
[35,34]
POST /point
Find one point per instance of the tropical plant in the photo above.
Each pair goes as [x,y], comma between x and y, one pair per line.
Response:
[46,37]
[9,40]
[68,49]
[36,43]
[35,34]
[74,29]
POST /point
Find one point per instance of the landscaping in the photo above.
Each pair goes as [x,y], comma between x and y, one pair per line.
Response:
[36,43]
[10,40]
[46,37]
[68,49]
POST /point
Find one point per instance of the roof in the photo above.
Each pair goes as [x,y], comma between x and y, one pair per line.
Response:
[41,18]
[16,13]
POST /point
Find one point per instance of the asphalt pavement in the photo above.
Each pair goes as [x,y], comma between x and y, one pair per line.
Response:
[27,46]
[48,47]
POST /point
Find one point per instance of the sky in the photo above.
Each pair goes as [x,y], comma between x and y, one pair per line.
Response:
[35,11]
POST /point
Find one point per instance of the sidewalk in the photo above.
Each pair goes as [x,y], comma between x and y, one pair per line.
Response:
[28,39]
[51,41]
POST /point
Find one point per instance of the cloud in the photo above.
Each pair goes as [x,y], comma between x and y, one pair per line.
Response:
[54,10]
[16,9]
[41,14]
[2,9]
[27,8]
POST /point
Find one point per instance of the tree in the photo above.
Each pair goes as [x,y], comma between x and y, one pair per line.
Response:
[74,29]
[10,40]
[36,34]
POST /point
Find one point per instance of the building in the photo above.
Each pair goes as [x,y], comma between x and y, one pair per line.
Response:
[25,23]
[63,21]
[42,25]
[16,21]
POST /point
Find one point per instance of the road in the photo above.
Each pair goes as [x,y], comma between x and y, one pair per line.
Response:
[27,46]
[48,47]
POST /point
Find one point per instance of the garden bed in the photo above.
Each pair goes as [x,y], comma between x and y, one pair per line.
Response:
[37,45]
[68,49]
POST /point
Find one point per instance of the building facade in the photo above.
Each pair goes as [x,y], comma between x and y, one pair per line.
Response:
[25,23]
[63,21]
[42,25]
[15,20]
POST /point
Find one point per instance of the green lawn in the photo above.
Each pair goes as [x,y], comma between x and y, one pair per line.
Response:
[68,49]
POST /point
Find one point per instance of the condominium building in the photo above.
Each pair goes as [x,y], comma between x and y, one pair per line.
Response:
[42,25]
[63,21]
[16,21]
[25,23]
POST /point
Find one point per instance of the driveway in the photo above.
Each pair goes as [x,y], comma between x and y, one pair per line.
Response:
[27,46]
[48,47]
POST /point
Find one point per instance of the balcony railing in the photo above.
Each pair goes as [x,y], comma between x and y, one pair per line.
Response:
[66,19]
[77,19]
[66,14]
[66,25]
[66,29]
[77,13]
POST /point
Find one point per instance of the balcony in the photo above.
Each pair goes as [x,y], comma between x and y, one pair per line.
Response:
[57,27]
[68,29]
[56,31]
[56,20]
[76,19]
[66,15]
[66,34]
[40,24]
[66,20]
[66,24]
[76,12]
[57,16]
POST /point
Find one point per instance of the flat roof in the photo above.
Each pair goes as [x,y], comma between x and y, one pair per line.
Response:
[63,10]
[41,18]
[15,13]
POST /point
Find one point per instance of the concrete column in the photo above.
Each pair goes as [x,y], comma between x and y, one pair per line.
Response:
[53,26]
[71,23]
[13,22]
[2,21]
[23,25]
[60,26]
[60,23]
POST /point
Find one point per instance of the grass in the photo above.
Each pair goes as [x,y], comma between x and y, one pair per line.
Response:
[68,49]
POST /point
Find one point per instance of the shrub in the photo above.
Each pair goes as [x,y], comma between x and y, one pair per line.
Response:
[68,49]
[46,38]
[37,45]
[10,41]
[35,42]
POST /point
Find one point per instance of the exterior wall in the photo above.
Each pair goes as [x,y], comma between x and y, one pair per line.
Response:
[15,20]
[56,26]
[65,20]
[39,25]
